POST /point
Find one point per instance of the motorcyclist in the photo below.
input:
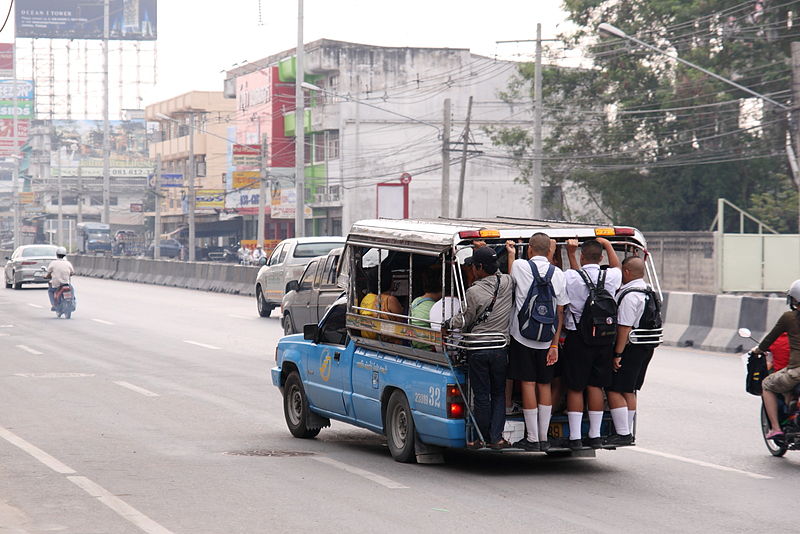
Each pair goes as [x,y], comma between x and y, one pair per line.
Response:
[784,380]
[59,272]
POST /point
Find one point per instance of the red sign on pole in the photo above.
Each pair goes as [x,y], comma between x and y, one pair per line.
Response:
[246,155]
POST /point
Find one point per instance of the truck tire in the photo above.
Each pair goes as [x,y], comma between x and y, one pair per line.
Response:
[287,325]
[400,431]
[264,308]
[295,408]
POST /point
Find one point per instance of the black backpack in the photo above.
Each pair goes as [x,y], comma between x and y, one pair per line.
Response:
[598,323]
[537,317]
[651,315]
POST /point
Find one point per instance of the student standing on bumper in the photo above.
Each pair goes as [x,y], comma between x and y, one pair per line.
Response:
[586,367]
[630,361]
[531,362]
[489,306]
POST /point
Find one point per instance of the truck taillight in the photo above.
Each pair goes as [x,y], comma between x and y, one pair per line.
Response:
[28,263]
[455,402]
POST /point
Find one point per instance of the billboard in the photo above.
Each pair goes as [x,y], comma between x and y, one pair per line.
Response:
[6,60]
[83,19]
[22,89]
[209,199]
[8,144]
[246,179]
[23,110]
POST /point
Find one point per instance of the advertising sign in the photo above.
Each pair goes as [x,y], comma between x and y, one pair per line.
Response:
[244,199]
[283,202]
[137,208]
[245,179]
[83,19]
[210,199]
[8,144]
[246,155]
[24,109]
[22,88]
[6,60]
[168,180]
[27,197]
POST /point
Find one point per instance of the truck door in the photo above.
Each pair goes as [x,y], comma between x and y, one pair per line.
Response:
[328,291]
[306,295]
[328,382]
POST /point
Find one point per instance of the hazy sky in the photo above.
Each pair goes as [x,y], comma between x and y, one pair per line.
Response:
[198,39]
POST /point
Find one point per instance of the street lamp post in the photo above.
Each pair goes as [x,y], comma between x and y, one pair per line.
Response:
[299,129]
[790,153]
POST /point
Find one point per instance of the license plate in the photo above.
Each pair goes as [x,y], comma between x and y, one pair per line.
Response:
[555,430]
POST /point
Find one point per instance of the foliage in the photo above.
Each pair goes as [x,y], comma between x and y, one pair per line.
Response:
[657,142]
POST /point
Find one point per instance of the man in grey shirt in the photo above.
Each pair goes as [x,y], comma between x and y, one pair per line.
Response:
[488,310]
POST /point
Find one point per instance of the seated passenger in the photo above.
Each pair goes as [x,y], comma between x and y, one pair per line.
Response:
[420,309]
[387,303]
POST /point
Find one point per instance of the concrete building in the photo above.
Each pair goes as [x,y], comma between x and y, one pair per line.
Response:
[377,123]
[210,113]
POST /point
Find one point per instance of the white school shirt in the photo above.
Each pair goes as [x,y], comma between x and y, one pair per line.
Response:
[630,310]
[523,278]
[60,272]
[578,292]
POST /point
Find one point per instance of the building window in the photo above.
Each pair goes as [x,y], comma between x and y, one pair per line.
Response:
[98,201]
[333,144]
[309,148]
[333,83]
[319,147]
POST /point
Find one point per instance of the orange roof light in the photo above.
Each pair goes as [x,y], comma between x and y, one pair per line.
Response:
[605,231]
[490,233]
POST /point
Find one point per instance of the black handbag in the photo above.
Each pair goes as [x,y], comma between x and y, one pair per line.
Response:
[756,372]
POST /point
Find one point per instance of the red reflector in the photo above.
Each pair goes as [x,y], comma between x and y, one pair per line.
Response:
[455,410]
[467,234]
[452,391]
[28,263]
[624,230]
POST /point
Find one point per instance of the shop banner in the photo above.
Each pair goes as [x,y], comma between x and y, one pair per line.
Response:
[210,199]
[245,179]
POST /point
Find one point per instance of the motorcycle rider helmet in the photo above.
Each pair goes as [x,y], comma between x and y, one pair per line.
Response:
[793,295]
[62,252]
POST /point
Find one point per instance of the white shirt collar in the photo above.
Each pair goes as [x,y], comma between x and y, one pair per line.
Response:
[638,282]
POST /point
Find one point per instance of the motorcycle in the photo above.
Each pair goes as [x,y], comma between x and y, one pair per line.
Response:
[64,297]
[788,404]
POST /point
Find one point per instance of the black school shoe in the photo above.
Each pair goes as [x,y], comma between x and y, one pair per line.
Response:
[594,443]
[576,445]
[616,440]
[526,445]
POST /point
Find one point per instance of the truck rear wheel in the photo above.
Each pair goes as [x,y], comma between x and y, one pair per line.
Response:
[264,309]
[400,429]
[295,408]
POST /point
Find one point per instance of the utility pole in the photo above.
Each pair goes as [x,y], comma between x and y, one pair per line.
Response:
[80,191]
[446,160]
[262,188]
[106,140]
[14,185]
[192,194]
[462,177]
[794,123]
[536,175]
[60,231]
[299,129]
[157,222]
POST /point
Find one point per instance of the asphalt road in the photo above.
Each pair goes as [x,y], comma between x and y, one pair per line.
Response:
[152,411]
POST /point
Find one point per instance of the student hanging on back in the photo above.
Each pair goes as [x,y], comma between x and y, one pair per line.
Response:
[539,298]
[590,320]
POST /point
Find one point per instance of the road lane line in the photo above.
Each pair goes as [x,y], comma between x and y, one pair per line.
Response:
[28,349]
[697,462]
[383,481]
[204,345]
[101,321]
[123,509]
[137,389]
[36,452]
[239,316]
[35,305]
[6,326]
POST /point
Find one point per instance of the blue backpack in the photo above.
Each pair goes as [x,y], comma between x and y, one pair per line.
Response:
[537,317]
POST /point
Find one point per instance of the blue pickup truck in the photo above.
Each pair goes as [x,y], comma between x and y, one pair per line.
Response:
[377,370]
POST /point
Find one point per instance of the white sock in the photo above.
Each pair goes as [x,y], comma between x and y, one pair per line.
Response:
[631,415]
[595,418]
[544,420]
[575,421]
[531,423]
[620,417]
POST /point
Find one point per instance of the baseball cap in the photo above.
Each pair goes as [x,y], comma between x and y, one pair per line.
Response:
[482,256]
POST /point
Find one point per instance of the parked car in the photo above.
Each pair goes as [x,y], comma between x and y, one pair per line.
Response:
[286,263]
[25,261]
[307,299]
[170,248]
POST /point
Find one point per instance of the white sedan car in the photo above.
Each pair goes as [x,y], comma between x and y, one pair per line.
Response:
[25,261]
[287,262]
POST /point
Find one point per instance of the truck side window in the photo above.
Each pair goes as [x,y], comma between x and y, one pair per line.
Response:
[275,258]
[334,331]
[308,276]
[329,273]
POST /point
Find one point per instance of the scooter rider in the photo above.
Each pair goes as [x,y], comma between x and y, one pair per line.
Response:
[786,379]
[59,273]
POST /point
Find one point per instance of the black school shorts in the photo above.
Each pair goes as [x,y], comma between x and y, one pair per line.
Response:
[527,364]
[630,376]
[585,365]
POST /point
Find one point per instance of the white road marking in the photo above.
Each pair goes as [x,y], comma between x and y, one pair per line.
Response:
[204,345]
[36,452]
[137,389]
[6,326]
[697,462]
[28,349]
[34,305]
[240,316]
[101,321]
[4,335]
[383,481]
[53,375]
[123,509]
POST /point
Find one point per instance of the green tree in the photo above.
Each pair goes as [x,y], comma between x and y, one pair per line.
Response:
[656,142]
